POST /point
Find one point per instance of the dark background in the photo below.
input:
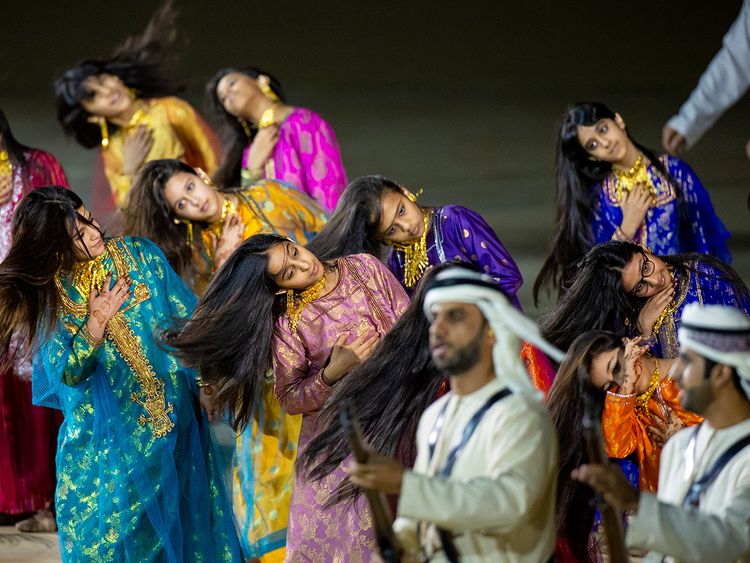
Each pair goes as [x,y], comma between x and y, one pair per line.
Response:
[459,98]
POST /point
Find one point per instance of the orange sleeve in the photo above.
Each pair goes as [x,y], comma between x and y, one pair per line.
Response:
[620,425]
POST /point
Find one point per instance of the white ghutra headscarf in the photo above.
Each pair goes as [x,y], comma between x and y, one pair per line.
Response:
[459,285]
[719,333]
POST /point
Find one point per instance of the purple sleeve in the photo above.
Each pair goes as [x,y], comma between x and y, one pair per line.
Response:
[320,171]
[474,241]
[298,385]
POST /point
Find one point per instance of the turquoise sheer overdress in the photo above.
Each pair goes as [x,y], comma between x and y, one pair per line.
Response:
[139,477]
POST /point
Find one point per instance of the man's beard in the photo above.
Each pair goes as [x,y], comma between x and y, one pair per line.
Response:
[463,359]
[697,399]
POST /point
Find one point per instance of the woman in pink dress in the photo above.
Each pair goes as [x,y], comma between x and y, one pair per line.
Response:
[28,434]
[275,306]
[266,138]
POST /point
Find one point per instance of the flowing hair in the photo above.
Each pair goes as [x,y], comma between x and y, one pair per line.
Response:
[140,62]
[577,174]
[352,228]
[574,517]
[229,338]
[44,227]
[596,299]
[232,133]
[389,391]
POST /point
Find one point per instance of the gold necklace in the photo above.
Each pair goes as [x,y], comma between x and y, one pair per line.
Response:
[668,310]
[642,400]
[6,166]
[136,118]
[296,302]
[90,275]
[638,174]
[415,255]
[268,117]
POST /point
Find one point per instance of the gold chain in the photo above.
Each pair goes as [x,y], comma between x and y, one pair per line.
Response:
[668,310]
[642,401]
[296,302]
[638,174]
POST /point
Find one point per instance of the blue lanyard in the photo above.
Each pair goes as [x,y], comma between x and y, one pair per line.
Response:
[467,433]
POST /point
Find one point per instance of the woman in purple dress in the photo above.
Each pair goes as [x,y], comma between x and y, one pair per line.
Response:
[267,139]
[275,307]
[375,212]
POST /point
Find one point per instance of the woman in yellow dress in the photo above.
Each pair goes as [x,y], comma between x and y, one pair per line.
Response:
[124,104]
[198,227]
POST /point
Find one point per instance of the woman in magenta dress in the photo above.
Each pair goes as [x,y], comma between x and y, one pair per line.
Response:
[28,434]
[266,138]
[275,305]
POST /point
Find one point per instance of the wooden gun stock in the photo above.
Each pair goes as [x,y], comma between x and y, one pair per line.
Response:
[611,518]
[386,538]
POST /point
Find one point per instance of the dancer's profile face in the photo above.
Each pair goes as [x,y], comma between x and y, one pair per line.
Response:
[608,369]
[605,140]
[292,266]
[190,198]
[236,91]
[87,239]
[401,220]
[110,98]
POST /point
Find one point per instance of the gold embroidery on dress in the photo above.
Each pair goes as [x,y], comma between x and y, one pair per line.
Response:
[151,395]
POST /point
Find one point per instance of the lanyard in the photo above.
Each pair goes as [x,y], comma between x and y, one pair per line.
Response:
[465,435]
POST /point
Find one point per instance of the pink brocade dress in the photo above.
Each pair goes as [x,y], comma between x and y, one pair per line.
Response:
[366,300]
[307,156]
[28,434]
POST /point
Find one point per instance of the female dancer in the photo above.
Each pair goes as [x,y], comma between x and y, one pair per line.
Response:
[27,433]
[137,479]
[266,138]
[125,105]
[375,212]
[198,226]
[624,288]
[274,304]
[611,187]
[641,410]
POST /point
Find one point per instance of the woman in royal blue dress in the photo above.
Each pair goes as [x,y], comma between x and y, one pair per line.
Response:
[610,187]
[138,478]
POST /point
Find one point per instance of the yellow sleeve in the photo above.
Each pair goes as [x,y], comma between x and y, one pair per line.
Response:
[202,147]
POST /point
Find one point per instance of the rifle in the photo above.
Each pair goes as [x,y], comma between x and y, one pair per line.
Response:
[386,538]
[611,518]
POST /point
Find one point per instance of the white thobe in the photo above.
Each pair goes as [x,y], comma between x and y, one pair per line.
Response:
[499,500]
[725,79]
[720,530]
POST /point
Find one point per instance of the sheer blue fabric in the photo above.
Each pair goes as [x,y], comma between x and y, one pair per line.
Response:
[138,477]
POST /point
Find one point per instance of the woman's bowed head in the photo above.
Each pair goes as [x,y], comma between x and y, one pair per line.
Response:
[267,276]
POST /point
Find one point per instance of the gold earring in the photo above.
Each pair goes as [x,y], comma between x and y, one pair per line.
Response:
[205,177]
[412,197]
[246,127]
[265,87]
[189,227]
[102,123]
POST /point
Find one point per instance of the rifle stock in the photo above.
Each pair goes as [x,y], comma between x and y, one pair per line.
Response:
[386,538]
[611,518]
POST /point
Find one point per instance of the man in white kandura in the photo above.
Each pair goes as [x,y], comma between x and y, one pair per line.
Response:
[483,484]
[702,512]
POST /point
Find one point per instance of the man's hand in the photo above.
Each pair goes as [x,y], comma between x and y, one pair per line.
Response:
[609,481]
[380,473]
[673,141]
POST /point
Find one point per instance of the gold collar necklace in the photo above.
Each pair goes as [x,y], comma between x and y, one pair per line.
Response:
[268,117]
[415,255]
[296,302]
[638,174]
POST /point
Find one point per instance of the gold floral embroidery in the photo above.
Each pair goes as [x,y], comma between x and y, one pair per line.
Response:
[151,394]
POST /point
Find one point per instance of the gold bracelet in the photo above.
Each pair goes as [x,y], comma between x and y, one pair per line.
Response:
[89,337]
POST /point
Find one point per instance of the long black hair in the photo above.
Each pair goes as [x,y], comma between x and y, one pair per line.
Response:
[566,401]
[389,391]
[44,226]
[232,133]
[577,173]
[140,62]
[16,150]
[352,228]
[229,338]
[596,299]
